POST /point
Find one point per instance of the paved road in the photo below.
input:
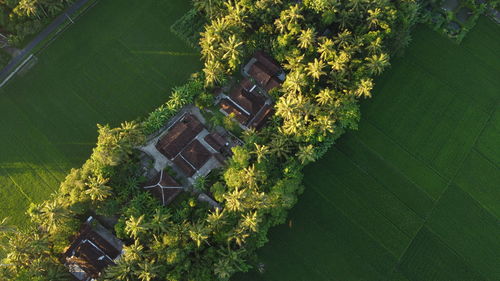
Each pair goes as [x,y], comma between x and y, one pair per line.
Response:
[40,37]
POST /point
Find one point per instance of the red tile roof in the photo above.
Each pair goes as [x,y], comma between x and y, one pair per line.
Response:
[216,141]
[259,73]
[179,135]
[184,166]
[271,66]
[229,107]
[260,120]
[196,154]
[250,102]
[163,187]
[265,71]
[272,83]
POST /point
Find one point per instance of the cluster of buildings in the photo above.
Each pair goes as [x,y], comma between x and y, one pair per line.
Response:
[184,150]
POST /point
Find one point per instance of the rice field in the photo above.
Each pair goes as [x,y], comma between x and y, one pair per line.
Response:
[413,195]
[117,62]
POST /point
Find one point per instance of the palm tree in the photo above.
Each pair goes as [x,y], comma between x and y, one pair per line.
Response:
[122,271]
[251,175]
[307,38]
[306,154]
[292,15]
[216,218]
[278,23]
[377,63]
[214,72]
[176,100]
[198,233]
[261,151]
[294,62]
[160,221]
[364,88]
[373,17]
[52,215]
[223,270]
[148,271]
[343,38]
[325,124]
[340,61]
[355,5]
[239,236]
[250,221]
[233,200]
[131,133]
[208,43]
[133,252]
[98,190]
[230,261]
[375,46]
[325,96]
[292,125]
[295,81]
[285,107]
[315,69]
[326,49]
[219,27]
[232,51]
[135,227]
[279,146]
[28,8]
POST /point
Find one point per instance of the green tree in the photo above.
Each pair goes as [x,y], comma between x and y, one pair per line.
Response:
[315,69]
[148,270]
[261,151]
[135,226]
[306,154]
[307,39]
[377,63]
[97,188]
[364,88]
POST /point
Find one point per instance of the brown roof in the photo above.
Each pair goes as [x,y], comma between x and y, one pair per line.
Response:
[216,141]
[196,154]
[229,107]
[265,71]
[273,68]
[179,135]
[163,187]
[184,166]
[259,73]
[272,83]
[251,102]
[262,117]
[247,84]
[90,250]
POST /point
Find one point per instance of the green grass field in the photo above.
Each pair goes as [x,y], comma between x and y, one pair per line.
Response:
[414,194]
[117,63]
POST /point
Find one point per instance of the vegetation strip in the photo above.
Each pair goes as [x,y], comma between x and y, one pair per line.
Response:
[217,235]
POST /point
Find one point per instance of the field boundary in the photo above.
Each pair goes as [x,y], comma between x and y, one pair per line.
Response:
[45,38]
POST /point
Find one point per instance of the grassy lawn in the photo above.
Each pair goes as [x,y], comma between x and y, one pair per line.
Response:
[118,62]
[413,195]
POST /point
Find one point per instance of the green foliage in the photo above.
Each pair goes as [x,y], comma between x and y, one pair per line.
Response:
[181,96]
[330,50]
[189,27]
